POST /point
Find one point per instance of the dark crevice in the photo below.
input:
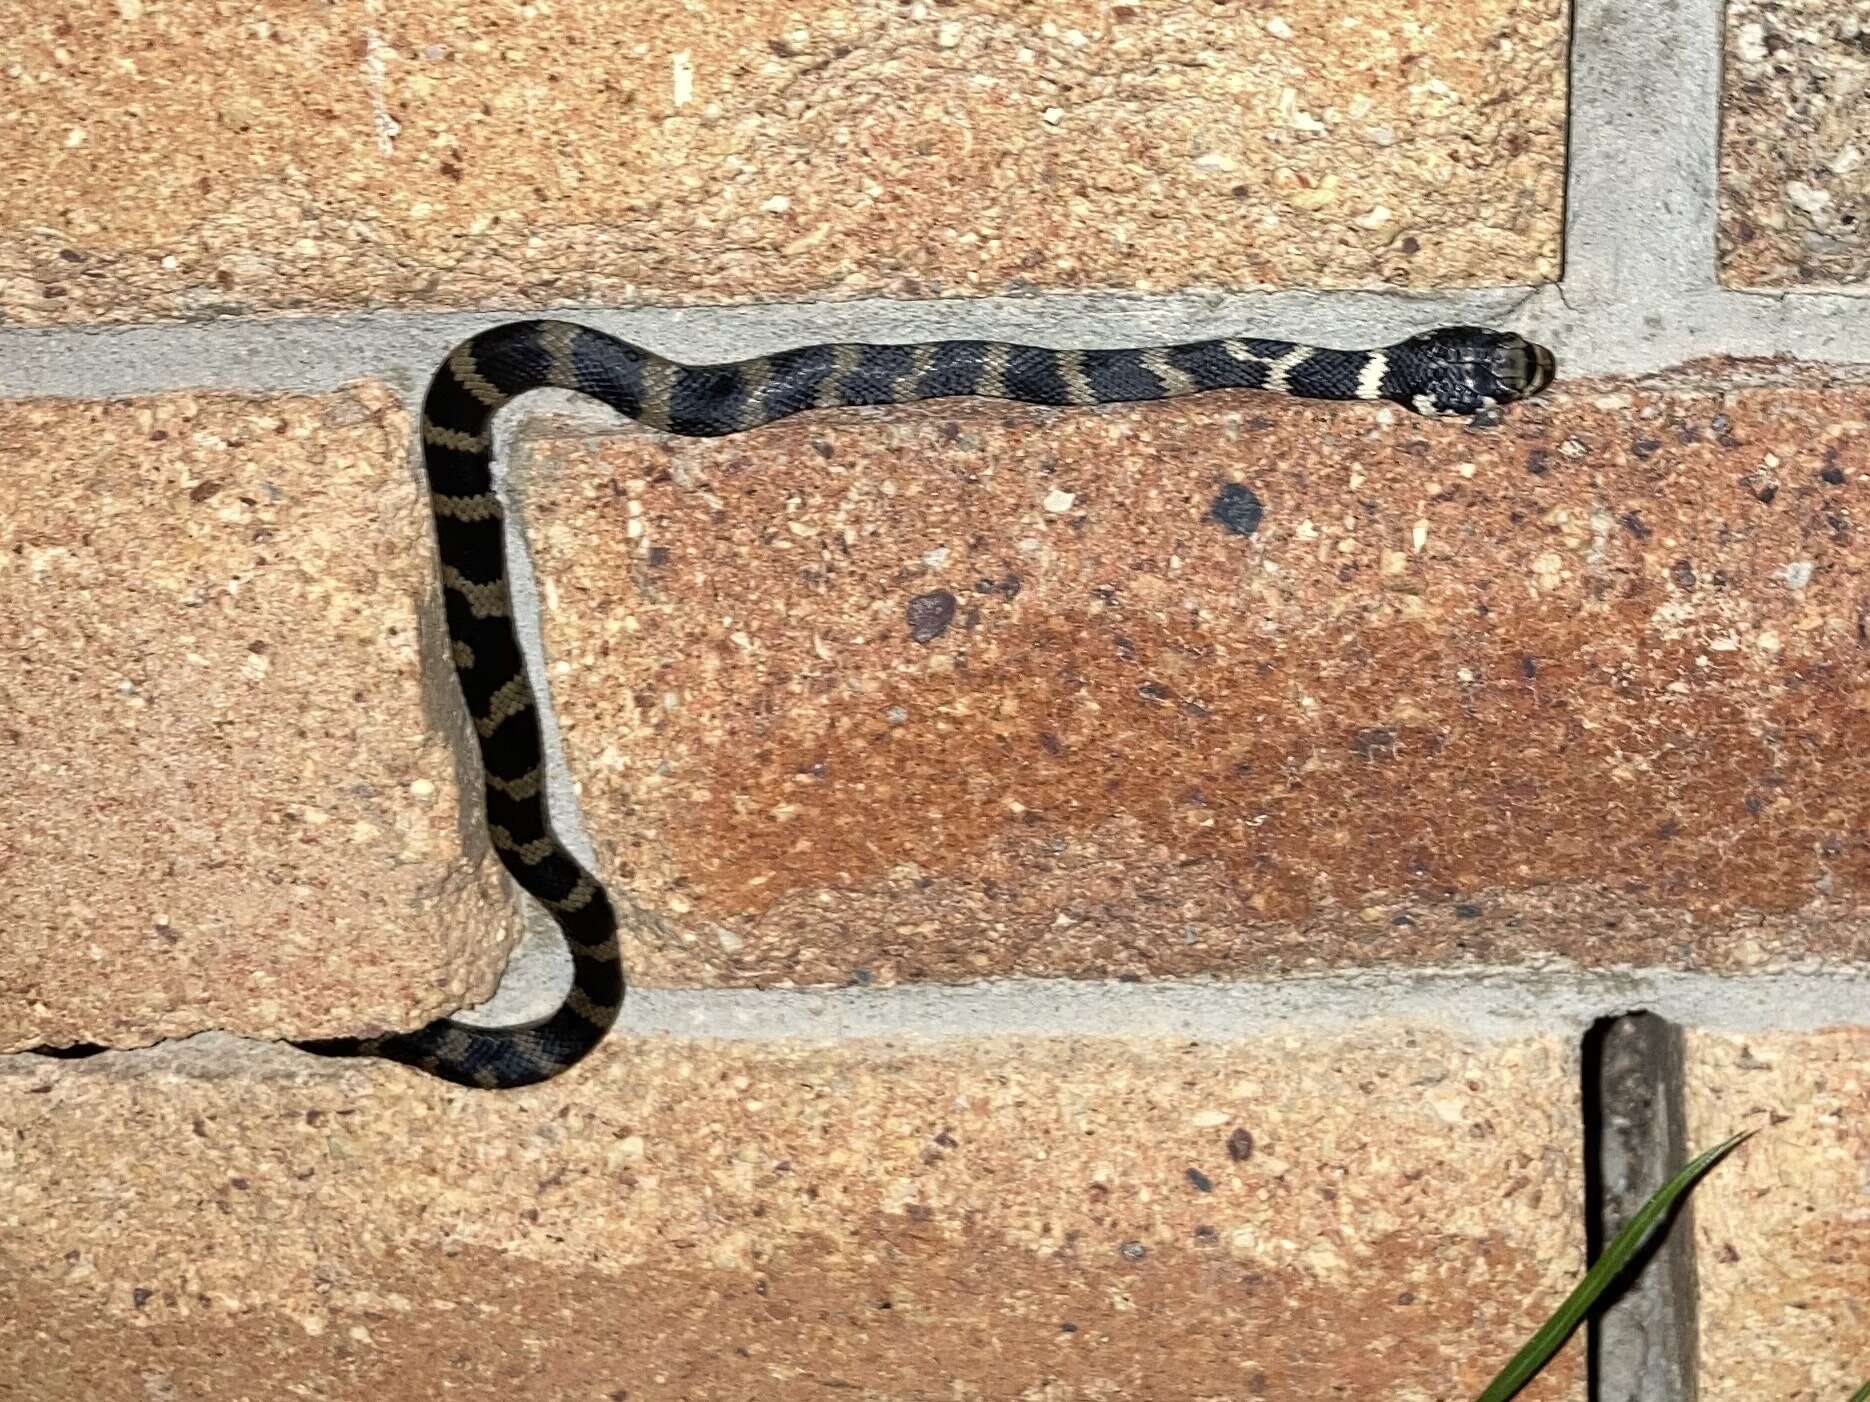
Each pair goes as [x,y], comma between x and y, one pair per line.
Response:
[1565,201]
[77,1051]
[1642,1336]
[1592,1071]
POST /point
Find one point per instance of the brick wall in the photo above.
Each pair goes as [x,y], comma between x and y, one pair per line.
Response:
[1174,976]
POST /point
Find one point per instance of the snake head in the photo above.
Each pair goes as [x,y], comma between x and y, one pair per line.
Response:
[1459,370]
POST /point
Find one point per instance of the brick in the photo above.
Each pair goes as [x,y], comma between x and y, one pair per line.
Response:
[1795,114]
[1782,1230]
[196,158]
[1583,684]
[222,799]
[688,1219]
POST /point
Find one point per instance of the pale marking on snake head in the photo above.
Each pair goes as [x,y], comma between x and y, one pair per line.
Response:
[463,656]
[1277,370]
[433,432]
[484,600]
[558,338]
[1173,378]
[524,787]
[484,506]
[1370,378]
[844,359]
[1424,404]
[993,363]
[755,374]
[658,387]
[1077,383]
[468,373]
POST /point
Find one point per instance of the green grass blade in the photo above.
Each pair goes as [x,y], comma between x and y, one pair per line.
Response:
[1862,1394]
[1551,1337]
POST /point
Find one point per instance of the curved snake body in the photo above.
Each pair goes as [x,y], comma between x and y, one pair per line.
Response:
[1451,371]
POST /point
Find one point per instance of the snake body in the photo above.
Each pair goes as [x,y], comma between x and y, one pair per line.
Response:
[1450,371]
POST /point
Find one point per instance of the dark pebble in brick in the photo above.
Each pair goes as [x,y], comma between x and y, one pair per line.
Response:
[1238,509]
[930,614]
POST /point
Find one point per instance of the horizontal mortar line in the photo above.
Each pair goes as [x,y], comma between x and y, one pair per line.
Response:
[320,353]
[1712,324]
[1489,1004]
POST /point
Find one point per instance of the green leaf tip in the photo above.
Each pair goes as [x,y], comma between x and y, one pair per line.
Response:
[1551,1337]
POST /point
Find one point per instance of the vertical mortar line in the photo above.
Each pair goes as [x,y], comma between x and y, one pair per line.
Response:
[1644,1345]
[1644,126]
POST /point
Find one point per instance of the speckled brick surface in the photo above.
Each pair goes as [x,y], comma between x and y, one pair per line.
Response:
[1384,1215]
[223,802]
[1795,150]
[192,157]
[1221,685]
[1783,1228]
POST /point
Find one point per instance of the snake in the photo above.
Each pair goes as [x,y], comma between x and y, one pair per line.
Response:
[1454,371]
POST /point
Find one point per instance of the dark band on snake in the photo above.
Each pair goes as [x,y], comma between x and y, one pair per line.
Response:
[1451,371]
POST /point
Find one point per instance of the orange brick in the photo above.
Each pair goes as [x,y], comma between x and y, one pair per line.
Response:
[973,690]
[1794,128]
[1782,1230]
[1389,1213]
[188,157]
[222,801]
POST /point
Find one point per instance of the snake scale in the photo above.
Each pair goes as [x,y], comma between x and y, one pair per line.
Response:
[1450,371]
